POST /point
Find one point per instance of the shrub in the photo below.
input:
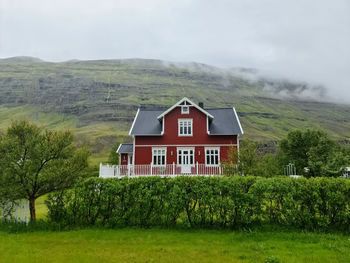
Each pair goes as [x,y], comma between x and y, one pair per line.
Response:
[205,202]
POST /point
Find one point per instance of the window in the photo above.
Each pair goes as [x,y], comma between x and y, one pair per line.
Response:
[185,127]
[185,156]
[212,156]
[185,110]
[159,156]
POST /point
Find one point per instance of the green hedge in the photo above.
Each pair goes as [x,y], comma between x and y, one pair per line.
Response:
[225,202]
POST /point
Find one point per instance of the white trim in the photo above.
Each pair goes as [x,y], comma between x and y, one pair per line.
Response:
[178,128]
[165,159]
[120,144]
[223,134]
[133,151]
[208,132]
[178,104]
[239,123]
[133,123]
[185,145]
[163,126]
[159,134]
[205,156]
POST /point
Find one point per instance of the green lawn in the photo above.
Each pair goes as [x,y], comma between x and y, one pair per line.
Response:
[157,245]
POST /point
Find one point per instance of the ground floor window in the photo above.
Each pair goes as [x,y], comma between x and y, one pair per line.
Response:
[159,156]
[185,156]
[212,156]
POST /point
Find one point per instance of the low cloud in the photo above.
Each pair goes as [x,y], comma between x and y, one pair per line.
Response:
[306,41]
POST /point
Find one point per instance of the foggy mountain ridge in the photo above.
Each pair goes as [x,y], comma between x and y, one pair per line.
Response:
[274,87]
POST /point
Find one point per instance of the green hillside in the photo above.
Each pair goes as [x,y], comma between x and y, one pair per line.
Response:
[98,99]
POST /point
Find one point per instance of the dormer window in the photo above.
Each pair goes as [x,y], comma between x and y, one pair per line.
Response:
[185,110]
[185,127]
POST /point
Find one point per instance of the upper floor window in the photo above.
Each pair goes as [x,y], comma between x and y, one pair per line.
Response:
[185,110]
[212,156]
[159,156]
[185,127]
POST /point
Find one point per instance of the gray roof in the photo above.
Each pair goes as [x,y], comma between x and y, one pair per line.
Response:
[225,122]
[125,148]
[146,123]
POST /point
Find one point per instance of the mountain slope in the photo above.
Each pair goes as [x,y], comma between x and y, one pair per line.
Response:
[98,99]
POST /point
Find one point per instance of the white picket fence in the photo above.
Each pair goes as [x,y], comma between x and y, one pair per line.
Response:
[17,211]
[108,171]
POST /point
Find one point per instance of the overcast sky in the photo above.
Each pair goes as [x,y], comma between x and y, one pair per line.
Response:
[307,40]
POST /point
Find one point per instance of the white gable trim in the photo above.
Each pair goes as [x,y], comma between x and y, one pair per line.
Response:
[133,123]
[119,148]
[178,104]
[239,123]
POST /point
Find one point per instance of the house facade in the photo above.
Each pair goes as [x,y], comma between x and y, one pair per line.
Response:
[183,139]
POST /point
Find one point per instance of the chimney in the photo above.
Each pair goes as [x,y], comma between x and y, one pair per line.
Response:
[200,104]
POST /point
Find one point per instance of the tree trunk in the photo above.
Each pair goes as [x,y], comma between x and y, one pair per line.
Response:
[32,209]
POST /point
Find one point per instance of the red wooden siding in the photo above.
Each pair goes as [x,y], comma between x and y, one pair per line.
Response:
[143,155]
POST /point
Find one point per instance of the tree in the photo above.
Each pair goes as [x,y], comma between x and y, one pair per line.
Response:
[35,162]
[269,166]
[248,158]
[315,150]
[230,165]
[113,155]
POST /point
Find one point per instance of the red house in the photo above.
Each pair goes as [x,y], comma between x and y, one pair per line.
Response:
[183,139]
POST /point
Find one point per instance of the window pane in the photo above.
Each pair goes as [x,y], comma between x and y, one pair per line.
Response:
[181,130]
[179,161]
[211,159]
[163,159]
[154,159]
[216,159]
[185,130]
[208,159]
[189,130]
[191,159]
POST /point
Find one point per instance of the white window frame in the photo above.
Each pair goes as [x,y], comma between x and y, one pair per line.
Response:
[155,153]
[179,124]
[178,149]
[185,107]
[210,154]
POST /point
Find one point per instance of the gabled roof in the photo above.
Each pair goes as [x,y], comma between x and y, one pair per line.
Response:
[125,148]
[224,122]
[182,101]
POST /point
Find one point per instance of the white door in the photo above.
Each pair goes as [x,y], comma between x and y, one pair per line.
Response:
[186,159]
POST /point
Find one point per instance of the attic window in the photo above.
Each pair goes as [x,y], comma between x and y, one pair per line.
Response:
[185,110]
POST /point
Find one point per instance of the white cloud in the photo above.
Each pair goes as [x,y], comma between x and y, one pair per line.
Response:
[305,40]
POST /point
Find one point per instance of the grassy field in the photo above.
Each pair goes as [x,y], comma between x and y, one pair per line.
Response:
[157,245]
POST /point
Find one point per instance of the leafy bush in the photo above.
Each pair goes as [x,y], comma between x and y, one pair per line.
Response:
[205,202]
